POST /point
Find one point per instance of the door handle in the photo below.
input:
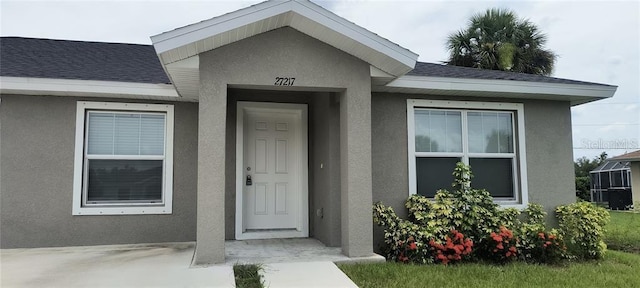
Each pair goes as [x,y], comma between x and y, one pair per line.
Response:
[249,182]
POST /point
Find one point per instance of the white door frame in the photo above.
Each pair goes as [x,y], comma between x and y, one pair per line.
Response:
[302,227]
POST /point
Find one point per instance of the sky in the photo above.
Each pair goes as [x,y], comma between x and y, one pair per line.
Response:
[596,41]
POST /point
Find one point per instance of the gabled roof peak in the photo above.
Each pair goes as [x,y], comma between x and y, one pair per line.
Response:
[302,15]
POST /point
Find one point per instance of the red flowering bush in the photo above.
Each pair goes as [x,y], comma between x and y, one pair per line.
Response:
[455,248]
[408,251]
[500,247]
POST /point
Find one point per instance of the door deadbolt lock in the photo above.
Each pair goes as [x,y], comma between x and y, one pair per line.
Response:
[249,181]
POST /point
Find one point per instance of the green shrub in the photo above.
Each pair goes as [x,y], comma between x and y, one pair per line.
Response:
[470,211]
[494,234]
[536,243]
[582,226]
[583,188]
[399,234]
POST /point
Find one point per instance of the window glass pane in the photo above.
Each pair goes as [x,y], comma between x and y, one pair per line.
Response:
[604,180]
[152,134]
[505,133]
[422,124]
[616,178]
[594,181]
[493,174]
[125,180]
[490,132]
[475,132]
[454,132]
[433,174]
[438,131]
[127,134]
[100,133]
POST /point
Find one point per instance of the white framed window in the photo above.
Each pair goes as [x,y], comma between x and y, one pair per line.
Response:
[488,136]
[123,159]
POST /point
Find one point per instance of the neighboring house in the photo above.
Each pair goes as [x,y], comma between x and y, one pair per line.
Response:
[278,120]
[618,172]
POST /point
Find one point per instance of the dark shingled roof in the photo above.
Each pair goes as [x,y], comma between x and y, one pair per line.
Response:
[65,59]
[439,70]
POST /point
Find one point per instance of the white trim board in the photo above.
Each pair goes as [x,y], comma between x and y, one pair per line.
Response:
[78,164]
[576,93]
[88,88]
[303,218]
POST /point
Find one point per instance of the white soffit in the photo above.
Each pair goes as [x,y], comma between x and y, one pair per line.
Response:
[88,88]
[465,87]
[186,76]
[301,15]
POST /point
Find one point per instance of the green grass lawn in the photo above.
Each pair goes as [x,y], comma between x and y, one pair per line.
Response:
[618,269]
[623,232]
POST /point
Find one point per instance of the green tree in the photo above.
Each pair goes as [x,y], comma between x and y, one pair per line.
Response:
[498,40]
[582,167]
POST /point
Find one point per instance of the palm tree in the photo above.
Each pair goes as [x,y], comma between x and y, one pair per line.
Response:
[498,40]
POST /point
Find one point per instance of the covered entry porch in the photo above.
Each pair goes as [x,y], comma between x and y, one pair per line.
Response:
[303,147]
[292,52]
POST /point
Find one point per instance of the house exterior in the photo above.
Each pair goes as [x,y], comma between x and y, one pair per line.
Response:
[622,171]
[278,120]
[612,174]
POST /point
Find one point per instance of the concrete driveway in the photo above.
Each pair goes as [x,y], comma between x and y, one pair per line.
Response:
[143,265]
[286,263]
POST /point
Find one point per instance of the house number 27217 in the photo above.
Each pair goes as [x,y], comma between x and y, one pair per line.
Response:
[284,81]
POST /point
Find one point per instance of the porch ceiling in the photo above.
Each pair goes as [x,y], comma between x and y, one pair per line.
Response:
[178,49]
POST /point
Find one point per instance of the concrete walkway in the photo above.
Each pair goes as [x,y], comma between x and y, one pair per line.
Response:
[305,274]
[287,263]
[288,250]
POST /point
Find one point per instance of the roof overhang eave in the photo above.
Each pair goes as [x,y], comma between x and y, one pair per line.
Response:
[88,88]
[575,93]
[632,159]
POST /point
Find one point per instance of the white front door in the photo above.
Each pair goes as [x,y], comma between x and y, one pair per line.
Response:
[272,186]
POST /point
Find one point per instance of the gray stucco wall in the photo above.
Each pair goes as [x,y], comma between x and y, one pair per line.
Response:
[325,214]
[36,158]
[549,153]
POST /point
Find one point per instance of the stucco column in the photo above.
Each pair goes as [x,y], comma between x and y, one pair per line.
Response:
[355,167]
[211,172]
[635,182]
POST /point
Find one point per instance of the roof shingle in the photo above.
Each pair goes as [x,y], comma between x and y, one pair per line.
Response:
[439,70]
[65,59]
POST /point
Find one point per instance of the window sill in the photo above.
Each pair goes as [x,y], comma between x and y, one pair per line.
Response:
[122,210]
[505,205]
